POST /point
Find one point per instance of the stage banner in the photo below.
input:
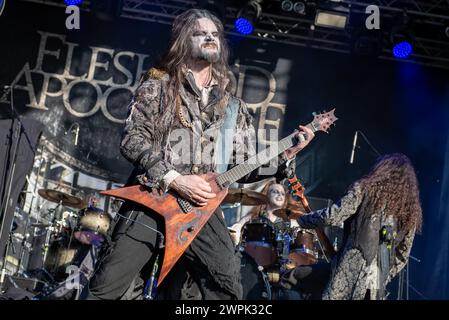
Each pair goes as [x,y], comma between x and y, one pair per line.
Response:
[78,83]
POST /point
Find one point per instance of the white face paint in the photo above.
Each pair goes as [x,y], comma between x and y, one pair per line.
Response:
[205,41]
[276,195]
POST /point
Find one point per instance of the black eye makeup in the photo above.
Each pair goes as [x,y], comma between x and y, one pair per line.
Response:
[199,33]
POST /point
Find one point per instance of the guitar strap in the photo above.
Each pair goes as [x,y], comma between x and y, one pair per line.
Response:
[225,138]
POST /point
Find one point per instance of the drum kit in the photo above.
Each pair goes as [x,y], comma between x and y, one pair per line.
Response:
[69,233]
[271,248]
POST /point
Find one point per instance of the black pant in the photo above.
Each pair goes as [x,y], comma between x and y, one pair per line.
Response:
[132,255]
[312,279]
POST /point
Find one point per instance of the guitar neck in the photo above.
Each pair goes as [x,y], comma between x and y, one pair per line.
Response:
[227,178]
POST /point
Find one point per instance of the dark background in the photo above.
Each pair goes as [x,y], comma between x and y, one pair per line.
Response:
[400,107]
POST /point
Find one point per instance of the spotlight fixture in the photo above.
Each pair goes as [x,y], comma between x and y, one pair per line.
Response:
[72,2]
[331,15]
[402,50]
[366,43]
[299,7]
[244,26]
[401,37]
[248,16]
[287,5]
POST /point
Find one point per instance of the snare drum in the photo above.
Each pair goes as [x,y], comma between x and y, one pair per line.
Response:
[258,240]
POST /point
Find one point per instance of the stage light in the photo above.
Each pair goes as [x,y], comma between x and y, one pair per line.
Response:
[299,7]
[287,5]
[72,2]
[248,16]
[329,19]
[244,26]
[401,36]
[367,43]
[402,50]
[332,15]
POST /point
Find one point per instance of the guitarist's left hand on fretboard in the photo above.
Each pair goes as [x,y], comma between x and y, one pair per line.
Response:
[305,135]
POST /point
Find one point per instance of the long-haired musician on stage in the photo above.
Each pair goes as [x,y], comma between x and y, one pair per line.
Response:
[381,213]
[179,108]
[278,197]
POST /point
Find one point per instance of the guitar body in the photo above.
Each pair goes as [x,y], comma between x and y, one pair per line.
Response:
[180,227]
[182,220]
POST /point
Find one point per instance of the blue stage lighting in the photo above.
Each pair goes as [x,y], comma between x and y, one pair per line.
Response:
[402,50]
[244,26]
[72,2]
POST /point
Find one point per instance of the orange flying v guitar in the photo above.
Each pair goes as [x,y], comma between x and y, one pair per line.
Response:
[183,220]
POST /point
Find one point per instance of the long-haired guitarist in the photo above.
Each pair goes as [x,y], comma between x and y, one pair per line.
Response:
[184,121]
[381,212]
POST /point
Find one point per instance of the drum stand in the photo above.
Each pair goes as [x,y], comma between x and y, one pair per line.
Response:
[267,282]
[49,231]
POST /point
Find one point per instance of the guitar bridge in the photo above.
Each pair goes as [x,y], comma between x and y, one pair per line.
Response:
[185,205]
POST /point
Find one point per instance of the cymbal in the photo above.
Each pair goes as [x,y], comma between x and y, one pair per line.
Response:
[245,197]
[289,213]
[63,198]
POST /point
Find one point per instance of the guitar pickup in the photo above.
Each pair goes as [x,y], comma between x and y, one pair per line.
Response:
[185,205]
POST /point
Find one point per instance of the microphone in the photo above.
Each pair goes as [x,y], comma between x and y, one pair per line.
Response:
[354,143]
[77,131]
[76,134]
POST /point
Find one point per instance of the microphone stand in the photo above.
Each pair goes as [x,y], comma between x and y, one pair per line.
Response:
[356,146]
[369,143]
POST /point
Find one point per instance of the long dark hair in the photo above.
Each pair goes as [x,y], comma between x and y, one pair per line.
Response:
[392,184]
[179,50]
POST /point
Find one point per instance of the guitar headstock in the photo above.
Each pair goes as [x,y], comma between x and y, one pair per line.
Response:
[323,121]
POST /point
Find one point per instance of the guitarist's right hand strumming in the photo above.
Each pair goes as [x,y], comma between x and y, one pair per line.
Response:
[193,188]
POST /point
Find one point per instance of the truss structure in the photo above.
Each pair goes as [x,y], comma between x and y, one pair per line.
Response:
[430,18]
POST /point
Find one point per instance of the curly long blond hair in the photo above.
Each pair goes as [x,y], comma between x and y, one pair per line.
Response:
[392,184]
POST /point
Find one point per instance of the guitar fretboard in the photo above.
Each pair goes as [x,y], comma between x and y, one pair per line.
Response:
[236,173]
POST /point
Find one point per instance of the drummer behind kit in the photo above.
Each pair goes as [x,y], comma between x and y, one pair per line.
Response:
[73,241]
[268,249]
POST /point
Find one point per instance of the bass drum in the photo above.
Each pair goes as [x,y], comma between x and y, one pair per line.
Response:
[254,286]
[258,241]
[60,256]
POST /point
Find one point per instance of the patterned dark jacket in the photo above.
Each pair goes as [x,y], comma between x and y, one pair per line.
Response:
[355,269]
[188,151]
